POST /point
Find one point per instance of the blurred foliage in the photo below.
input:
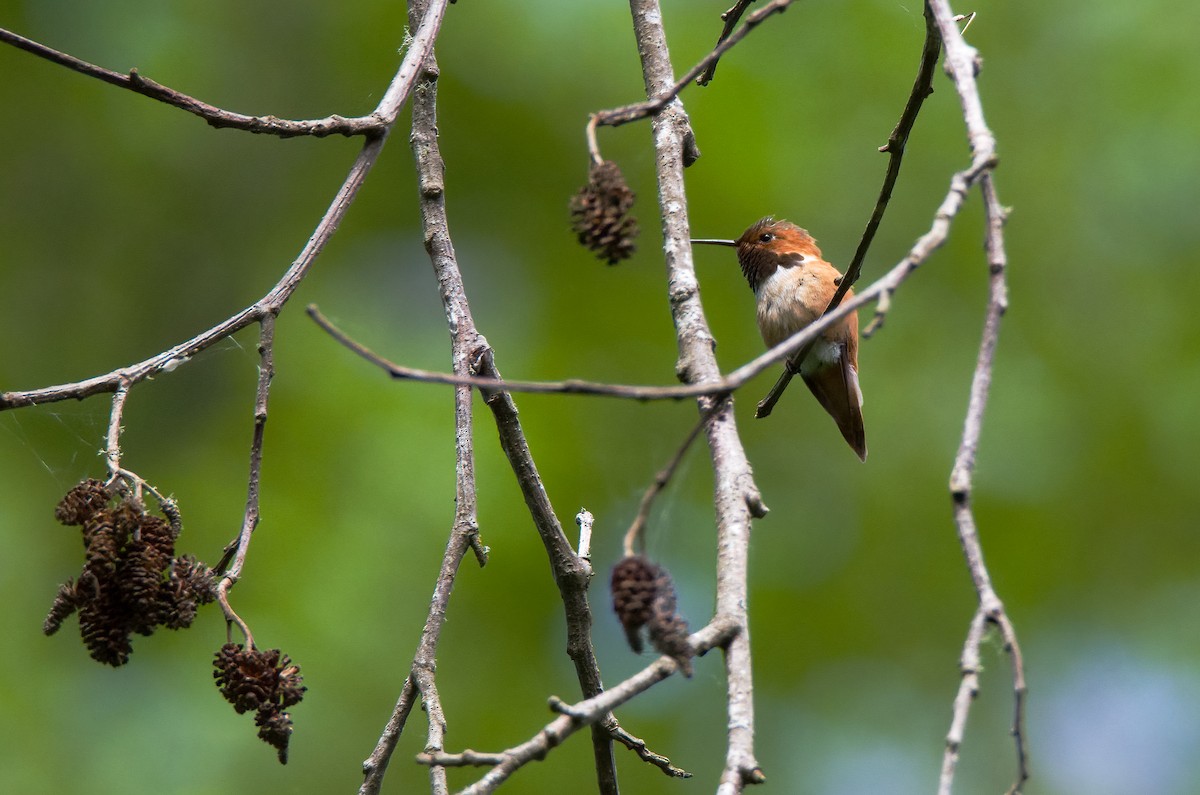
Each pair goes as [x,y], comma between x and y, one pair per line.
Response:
[126,226]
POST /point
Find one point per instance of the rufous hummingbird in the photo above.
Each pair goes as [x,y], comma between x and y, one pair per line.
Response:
[793,284]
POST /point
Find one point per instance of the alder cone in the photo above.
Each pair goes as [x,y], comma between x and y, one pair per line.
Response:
[600,214]
[643,595]
[634,586]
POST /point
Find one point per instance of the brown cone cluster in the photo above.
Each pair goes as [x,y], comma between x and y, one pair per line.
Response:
[600,214]
[131,580]
[644,596]
[266,682]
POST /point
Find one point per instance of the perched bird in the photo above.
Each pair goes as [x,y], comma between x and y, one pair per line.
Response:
[793,285]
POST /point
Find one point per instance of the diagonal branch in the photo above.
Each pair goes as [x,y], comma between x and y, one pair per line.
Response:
[922,88]
[572,573]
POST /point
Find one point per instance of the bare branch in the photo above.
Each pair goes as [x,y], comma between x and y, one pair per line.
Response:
[273,301]
[639,747]
[216,117]
[464,534]
[962,64]
[112,447]
[922,88]
[472,354]
[376,764]
[571,572]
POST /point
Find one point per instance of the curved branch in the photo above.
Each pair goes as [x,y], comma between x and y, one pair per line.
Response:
[216,117]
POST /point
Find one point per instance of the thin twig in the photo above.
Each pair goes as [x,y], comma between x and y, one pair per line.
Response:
[216,117]
[240,545]
[639,747]
[962,64]
[125,480]
[625,114]
[730,18]
[112,447]
[231,616]
[633,536]
[266,371]
[394,98]
[922,88]
[896,142]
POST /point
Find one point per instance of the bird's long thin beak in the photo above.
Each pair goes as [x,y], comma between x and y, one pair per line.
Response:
[716,242]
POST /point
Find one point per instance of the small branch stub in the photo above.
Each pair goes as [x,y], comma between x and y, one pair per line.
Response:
[585,520]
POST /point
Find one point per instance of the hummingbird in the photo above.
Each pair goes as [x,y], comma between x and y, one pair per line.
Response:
[792,285]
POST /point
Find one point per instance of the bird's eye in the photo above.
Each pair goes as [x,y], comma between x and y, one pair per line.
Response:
[766,237]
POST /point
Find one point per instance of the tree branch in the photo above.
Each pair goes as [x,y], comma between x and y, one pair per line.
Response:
[112,445]
[216,117]
[237,548]
[271,303]
[736,497]
[464,534]
[962,65]
[661,479]
[730,18]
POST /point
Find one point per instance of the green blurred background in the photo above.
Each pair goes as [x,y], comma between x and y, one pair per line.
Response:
[126,226]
